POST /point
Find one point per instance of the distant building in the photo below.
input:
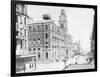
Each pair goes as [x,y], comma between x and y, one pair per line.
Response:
[47,40]
[93,40]
[77,46]
[69,45]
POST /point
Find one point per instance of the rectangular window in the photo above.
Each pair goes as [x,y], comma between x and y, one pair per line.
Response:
[46,35]
[38,48]
[20,19]
[20,8]
[29,28]
[34,49]
[46,55]
[30,65]
[46,26]
[46,47]
[39,55]
[52,46]
[34,28]
[38,27]
[53,28]
[29,49]
[25,32]
[52,37]
[46,42]
[25,43]
[21,44]
[16,18]
[43,27]
[25,20]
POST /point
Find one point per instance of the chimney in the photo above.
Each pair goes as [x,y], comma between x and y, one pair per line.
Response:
[46,17]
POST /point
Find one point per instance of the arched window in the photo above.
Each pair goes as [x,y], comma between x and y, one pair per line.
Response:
[38,41]
[34,41]
[29,28]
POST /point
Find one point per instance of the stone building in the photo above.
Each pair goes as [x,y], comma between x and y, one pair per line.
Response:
[21,28]
[24,61]
[47,40]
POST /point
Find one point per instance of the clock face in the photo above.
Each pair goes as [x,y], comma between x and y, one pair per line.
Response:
[62,17]
[62,25]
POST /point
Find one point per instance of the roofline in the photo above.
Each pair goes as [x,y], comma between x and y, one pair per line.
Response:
[41,21]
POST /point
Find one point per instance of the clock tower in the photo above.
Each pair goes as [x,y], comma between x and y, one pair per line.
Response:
[62,20]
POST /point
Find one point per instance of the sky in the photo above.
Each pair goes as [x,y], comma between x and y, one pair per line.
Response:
[80,21]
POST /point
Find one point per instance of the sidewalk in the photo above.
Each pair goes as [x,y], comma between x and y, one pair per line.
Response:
[80,66]
[55,66]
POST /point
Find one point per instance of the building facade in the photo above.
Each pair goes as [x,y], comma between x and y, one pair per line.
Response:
[21,28]
[47,40]
[24,60]
[93,39]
